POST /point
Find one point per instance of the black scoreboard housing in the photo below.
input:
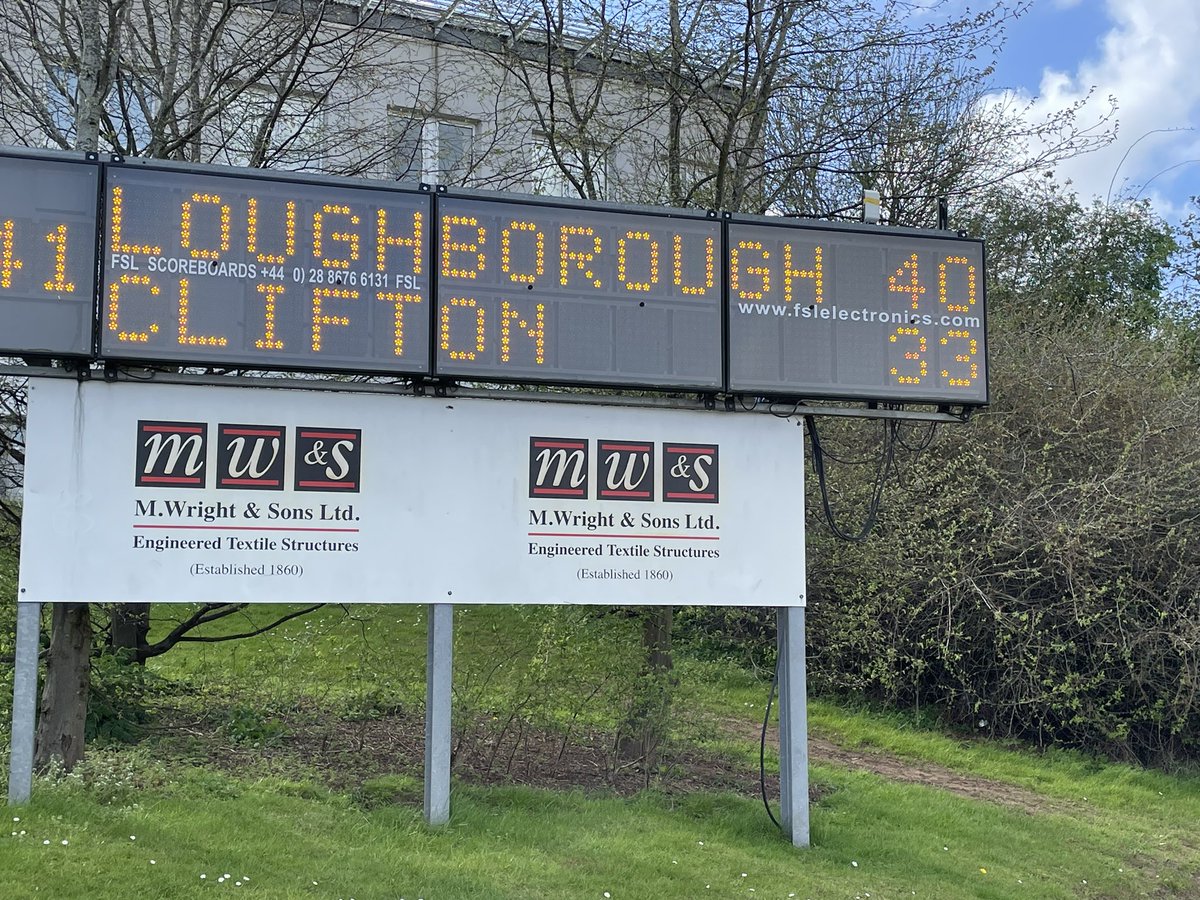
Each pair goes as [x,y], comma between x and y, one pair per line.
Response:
[250,269]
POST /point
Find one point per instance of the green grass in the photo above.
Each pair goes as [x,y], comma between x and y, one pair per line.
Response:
[1107,830]
[869,836]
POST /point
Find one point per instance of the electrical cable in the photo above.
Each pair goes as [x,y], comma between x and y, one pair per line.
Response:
[762,748]
[887,463]
[922,444]
[887,459]
[784,415]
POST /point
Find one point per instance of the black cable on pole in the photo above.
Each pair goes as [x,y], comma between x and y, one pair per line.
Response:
[762,748]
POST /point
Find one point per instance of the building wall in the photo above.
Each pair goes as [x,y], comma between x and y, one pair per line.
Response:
[418,96]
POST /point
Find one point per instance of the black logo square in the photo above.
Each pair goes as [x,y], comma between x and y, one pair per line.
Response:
[171,454]
[328,459]
[251,457]
[558,468]
[625,470]
[690,473]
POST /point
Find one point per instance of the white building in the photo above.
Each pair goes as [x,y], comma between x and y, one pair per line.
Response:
[495,99]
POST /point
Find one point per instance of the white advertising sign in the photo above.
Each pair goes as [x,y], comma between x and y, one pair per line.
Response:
[199,494]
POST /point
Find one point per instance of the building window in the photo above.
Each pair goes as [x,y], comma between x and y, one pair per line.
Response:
[291,133]
[549,179]
[429,150]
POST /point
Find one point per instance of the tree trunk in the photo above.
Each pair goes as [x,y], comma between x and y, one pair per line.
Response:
[675,109]
[130,627]
[63,713]
[641,736]
[64,696]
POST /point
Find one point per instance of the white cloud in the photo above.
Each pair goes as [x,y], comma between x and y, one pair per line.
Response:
[1147,62]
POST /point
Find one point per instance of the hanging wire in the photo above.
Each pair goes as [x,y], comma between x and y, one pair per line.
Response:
[922,443]
[762,748]
[891,438]
[887,462]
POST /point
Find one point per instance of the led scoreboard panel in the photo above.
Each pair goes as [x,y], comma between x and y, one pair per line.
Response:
[47,254]
[861,313]
[218,267]
[263,272]
[536,291]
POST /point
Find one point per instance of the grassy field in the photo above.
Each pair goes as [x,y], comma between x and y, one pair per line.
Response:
[221,794]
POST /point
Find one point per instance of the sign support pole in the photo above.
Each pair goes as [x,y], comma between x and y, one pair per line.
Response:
[24,708]
[793,725]
[439,670]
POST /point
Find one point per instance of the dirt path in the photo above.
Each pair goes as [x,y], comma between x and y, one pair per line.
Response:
[932,775]
[908,771]
[349,753]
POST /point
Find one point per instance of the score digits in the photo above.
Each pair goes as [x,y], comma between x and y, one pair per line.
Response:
[855,312]
[48,265]
[48,223]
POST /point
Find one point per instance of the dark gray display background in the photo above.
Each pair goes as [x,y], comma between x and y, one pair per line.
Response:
[829,348]
[36,197]
[232,307]
[609,334]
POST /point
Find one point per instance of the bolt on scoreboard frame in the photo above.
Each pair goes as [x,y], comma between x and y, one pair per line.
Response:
[152,262]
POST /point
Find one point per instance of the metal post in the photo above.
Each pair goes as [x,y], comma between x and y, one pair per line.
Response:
[24,708]
[438,675]
[793,725]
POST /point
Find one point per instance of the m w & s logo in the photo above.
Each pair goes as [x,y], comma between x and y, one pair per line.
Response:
[172,454]
[247,457]
[626,470]
[559,468]
[250,457]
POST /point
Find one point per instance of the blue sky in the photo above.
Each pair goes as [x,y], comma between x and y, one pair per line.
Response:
[1144,53]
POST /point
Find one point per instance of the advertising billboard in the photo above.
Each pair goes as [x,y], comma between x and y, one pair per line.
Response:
[202,494]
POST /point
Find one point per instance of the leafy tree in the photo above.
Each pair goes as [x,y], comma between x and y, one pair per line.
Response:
[1046,248]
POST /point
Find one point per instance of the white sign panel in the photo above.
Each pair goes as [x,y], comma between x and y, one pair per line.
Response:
[181,493]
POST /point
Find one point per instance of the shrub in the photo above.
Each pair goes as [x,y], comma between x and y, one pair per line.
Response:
[1038,570]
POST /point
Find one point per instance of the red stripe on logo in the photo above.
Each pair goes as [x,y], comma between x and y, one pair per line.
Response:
[183,429]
